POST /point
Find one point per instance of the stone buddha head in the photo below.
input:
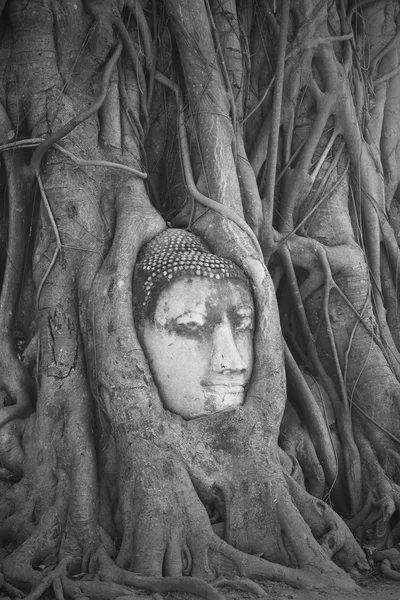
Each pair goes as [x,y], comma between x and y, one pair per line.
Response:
[194,316]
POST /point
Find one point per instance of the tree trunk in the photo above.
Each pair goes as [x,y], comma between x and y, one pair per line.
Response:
[272,133]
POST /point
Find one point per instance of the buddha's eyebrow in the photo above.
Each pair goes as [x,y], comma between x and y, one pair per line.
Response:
[184,318]
[245,309]
[189,313]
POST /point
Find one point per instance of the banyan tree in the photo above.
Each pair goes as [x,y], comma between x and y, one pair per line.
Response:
[260,138]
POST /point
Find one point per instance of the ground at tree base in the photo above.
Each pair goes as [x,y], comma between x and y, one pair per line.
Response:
[372,587]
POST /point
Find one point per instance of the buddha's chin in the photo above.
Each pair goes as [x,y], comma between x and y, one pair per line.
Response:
[220,398]
[211,399]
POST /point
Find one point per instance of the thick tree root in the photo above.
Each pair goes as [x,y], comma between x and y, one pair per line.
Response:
[334,535]
[49,580]
[308,577]
[379,477]
[12,591]
[117,583]
[109,571]
[390,564]
[387,570]
[15,382]
[242,583]
[97,590]
[44,542]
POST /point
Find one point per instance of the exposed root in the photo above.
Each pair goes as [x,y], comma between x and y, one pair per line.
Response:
[198,196]
[49,580]
[15,381]
[275,127]
[333,540]
[12,591]
[100,163]
[96,590]
[117,583]
[339,402]
[58,247]
[333,533]
[42,543]
[390,554]
[109,571]
[58,589]
[12,456]
[242,583]
[358,519]
[388,571]
[382,504]
[308,577]
[75,121]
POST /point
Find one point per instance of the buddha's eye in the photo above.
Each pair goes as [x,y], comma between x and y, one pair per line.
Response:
[243,323]
[190,325]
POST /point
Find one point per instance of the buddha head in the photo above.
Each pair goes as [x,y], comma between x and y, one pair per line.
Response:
[194,316]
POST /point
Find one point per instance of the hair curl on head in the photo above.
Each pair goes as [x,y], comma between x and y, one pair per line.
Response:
[171,255]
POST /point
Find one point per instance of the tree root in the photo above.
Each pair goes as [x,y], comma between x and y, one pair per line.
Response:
[308,577]
[358,519]
[12,591]
[223,210]
[275,128]
[316,424]
[42,543]
[41,150]
[335,537]
[388,571]
[390,554]
[339,402]
[381,488]
[97,590]
[111,572]
[49,580]
[15,381]
[117,583]
[242,583]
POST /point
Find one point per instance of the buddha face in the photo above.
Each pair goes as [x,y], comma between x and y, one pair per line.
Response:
[200,345]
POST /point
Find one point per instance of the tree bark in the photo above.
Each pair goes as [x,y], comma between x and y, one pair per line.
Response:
[270,132]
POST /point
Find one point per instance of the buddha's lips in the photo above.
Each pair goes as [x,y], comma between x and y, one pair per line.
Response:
[223,388]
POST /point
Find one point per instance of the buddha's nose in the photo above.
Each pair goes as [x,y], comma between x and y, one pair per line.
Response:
[225,354]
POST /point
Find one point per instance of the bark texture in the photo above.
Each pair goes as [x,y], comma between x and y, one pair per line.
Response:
[271,130]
